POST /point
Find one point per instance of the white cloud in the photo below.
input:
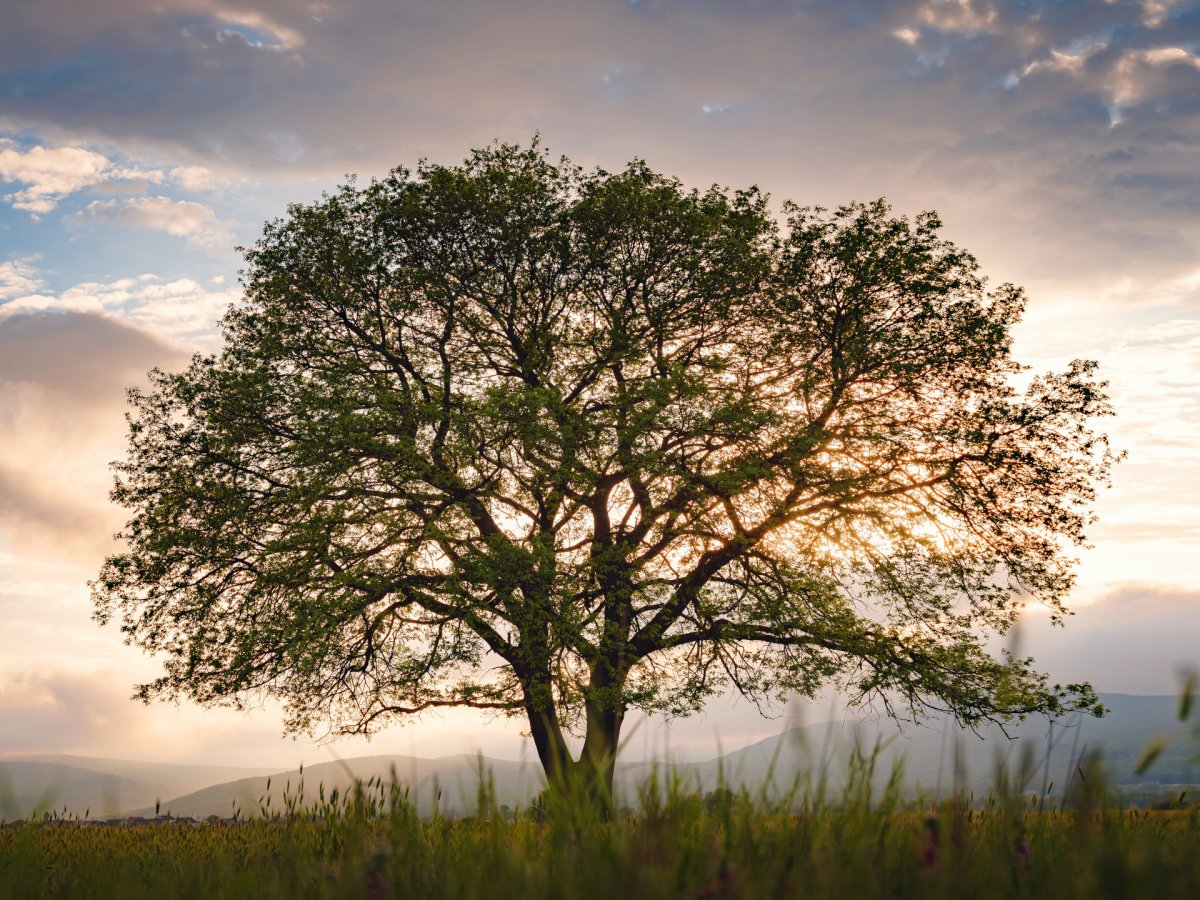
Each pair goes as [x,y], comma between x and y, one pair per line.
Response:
[1133,78]
[1155,12]
[961,16]
[47,175]
[1070,61]
[57,706]
[181,310]
[258,30]
[18,278]
[50,174]
[1155,371]
[194,222]
[195,178]
[1137,639]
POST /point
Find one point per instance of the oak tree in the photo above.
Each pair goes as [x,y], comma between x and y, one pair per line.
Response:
[561,444]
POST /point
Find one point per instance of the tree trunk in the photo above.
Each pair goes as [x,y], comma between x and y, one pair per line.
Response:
[597,762]
[590,778]
[549,740]
[605,715]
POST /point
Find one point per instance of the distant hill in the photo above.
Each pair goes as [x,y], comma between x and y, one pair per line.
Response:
[451,782]
[26,787]
[937,756]
[101,787]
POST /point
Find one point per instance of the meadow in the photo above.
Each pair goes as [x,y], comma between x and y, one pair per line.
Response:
[861,844]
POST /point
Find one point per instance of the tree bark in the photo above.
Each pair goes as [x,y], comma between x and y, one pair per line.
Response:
[590,778]
[597,762]
[548,738]
[605,714]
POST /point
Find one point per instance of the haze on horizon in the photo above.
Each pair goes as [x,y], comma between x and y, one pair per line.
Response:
[140,142]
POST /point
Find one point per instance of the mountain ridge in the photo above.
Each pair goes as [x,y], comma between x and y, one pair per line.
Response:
[937,759]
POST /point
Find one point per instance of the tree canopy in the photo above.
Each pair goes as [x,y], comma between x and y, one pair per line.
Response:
[562,443]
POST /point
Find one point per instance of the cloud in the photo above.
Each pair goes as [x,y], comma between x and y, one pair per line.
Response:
[1146,336]
[64,712]
[1136,639]
[66,360]
[256,29]
[1151,358]
[75,354]
[18,277]
[62,394]
[39,514]
[1154,74]
[196,178]
[1156,12]
[1020,124]
[48,175]
[194,222]
[1123,77]
[180,310]
[62,708]
[958,16]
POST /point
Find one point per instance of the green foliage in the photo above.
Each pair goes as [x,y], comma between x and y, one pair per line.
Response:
[556,443]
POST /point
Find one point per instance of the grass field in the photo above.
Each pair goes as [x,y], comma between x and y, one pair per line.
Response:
[373,844]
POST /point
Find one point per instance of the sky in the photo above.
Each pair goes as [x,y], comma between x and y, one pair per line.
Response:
[142,141]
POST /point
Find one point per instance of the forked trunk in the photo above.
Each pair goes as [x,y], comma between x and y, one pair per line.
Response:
[599,757]
[590,778]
